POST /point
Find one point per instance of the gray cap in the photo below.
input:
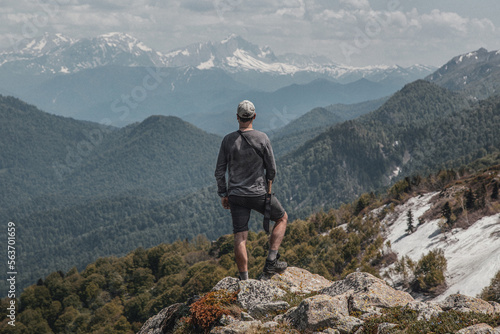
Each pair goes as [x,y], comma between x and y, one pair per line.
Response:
[246,109]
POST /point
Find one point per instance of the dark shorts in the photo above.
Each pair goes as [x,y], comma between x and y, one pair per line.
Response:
[242,206]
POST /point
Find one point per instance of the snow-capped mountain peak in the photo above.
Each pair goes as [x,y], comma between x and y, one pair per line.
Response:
[56,53]
[221,55]
[122,40]
[43,45]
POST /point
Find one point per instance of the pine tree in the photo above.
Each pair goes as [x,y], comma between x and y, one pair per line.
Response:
[410,228]
[470,199]
[494,193]
[481,196]
[446,212]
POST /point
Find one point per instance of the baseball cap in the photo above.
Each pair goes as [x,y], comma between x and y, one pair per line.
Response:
[246,109]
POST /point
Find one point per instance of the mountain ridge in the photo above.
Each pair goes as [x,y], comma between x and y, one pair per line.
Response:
[233,54]
[474,73]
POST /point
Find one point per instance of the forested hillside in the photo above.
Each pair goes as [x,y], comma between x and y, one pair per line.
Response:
[117,294]
[65,182]
[297,132]
[419,129]
[71,160]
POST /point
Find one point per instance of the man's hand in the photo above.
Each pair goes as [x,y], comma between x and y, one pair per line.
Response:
[225,202]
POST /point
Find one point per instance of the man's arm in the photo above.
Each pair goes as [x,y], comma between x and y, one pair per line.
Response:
[269,162]
[220,172]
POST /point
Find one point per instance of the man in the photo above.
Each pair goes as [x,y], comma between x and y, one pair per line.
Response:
[247,156]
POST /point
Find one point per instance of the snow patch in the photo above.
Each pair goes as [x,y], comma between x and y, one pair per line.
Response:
[243,60]
[395,173]
[207,64]
[473,255]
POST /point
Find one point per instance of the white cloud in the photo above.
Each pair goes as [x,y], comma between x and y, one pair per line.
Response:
[393,33]
[358,4]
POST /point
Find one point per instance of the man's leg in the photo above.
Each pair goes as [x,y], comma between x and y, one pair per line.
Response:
[278,233]
[273,266]
[240,253]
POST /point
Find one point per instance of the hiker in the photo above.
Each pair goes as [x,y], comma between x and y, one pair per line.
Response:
[248,157]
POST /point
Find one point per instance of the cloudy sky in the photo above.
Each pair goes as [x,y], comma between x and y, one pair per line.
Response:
[351,32]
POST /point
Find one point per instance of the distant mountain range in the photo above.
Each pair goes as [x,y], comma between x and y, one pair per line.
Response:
[116,79]
[56,53]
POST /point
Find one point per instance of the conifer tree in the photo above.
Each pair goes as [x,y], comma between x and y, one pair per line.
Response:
[410,228]
[481,196]
[446,212]
[470,199]
[494,193]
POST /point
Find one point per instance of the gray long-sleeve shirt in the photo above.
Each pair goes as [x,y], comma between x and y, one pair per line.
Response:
[247,171]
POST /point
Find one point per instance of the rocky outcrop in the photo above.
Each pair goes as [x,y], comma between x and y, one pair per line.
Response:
[325,306]
[425,310]
[300,281]
[164,320]
[479,329]
[317,312]
[367,293]
[464,303]
[251,292]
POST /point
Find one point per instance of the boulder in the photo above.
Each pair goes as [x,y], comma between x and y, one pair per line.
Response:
[246,317]
[226,320]
[269,325]
[425,310]
[496,307]
[346,325]
[477,329]
[367,293]
[251,292]
[164,321]
[230,284]
[318,312]
[328,331]
[263,310]
[385,328]
[300,281]
[465,303]
[237,327]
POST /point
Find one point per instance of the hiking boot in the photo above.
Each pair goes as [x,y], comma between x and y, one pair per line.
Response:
[275,267]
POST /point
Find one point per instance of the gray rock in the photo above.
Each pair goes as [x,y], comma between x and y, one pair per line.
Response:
[163,321]
[318,312]
[285,318]
[425,310]
[226,320]
[328,331]
[230,284]
[237,327]
[346,325]
[465,303]
[262,310]
[374,313]
[385,328]
[496,307]
[251,292]
[300,281]
[246,317]
[367,293]
[270,324]
[477,329]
